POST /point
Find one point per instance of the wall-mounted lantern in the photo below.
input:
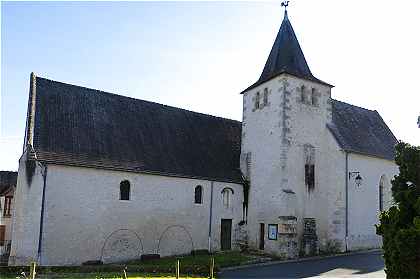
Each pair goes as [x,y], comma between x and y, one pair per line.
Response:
[358,179]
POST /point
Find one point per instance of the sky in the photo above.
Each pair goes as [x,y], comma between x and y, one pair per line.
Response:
[201,55]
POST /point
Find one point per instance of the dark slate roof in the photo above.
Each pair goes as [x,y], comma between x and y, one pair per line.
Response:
[361,131]
[8,179]
[86,127]
[286,56]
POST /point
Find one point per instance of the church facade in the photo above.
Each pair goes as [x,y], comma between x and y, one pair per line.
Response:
[108,178]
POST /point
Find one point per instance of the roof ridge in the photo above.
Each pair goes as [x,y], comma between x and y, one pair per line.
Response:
[141,100]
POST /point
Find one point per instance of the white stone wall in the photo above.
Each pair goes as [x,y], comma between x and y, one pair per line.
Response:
[26,216]
[275,136]
[83,210]
[364,200]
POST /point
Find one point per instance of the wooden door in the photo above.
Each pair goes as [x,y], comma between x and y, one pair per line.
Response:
[262,235]
[225,234]
[2,234]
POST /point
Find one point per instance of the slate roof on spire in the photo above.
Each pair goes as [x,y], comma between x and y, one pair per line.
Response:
[286,56]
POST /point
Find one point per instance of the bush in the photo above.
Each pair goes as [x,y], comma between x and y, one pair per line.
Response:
[331,247]
[400,225]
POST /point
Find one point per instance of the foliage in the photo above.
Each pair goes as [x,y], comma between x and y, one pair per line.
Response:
[331,247]
[108,276]
[190,267]
[400,225]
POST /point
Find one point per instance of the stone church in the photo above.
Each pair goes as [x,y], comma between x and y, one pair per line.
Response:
[107,178]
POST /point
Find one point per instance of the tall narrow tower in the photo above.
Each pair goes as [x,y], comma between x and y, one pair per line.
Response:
[284,137]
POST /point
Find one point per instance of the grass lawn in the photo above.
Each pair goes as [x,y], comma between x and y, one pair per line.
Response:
[190,267]
[103,275]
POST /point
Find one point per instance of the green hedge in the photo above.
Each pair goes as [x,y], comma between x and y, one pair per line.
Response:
[400,225]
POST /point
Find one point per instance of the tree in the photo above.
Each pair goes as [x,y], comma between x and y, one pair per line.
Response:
[400,225]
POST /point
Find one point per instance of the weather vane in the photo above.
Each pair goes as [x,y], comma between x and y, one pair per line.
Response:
[285,4]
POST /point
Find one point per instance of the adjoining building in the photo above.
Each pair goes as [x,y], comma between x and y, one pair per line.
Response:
[7,189]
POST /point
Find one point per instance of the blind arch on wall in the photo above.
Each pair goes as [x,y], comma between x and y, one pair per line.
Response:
[227,192]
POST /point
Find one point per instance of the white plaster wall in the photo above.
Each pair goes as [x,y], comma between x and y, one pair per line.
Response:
[26,216]
[261,136]
[83,209]
[275,136]
[364,200]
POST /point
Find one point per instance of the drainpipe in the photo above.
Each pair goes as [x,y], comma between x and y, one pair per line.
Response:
[347,199]
[41,225]
[211,213]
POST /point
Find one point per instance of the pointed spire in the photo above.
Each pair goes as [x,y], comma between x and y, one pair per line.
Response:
[286,56]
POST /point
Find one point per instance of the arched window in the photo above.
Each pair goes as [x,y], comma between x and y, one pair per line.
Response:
[226,196]
[382,182]
[314,97]
[125,190]
[302,94]
[309,152]
[265,97]
[257,101]
[198,194]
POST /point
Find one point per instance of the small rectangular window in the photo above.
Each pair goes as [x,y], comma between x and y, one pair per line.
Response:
[310,176]
[309,153]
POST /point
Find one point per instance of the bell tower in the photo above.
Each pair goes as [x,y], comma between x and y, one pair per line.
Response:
[285,114]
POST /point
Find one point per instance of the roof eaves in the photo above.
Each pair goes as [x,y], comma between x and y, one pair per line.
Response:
[133,170]
[259,82]
[368,154]
[347,149]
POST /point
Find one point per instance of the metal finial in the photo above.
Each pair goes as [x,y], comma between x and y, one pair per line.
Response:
[285,4]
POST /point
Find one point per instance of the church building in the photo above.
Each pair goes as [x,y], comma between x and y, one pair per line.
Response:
[109,178]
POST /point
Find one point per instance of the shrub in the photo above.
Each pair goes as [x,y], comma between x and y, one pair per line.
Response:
[400,225]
